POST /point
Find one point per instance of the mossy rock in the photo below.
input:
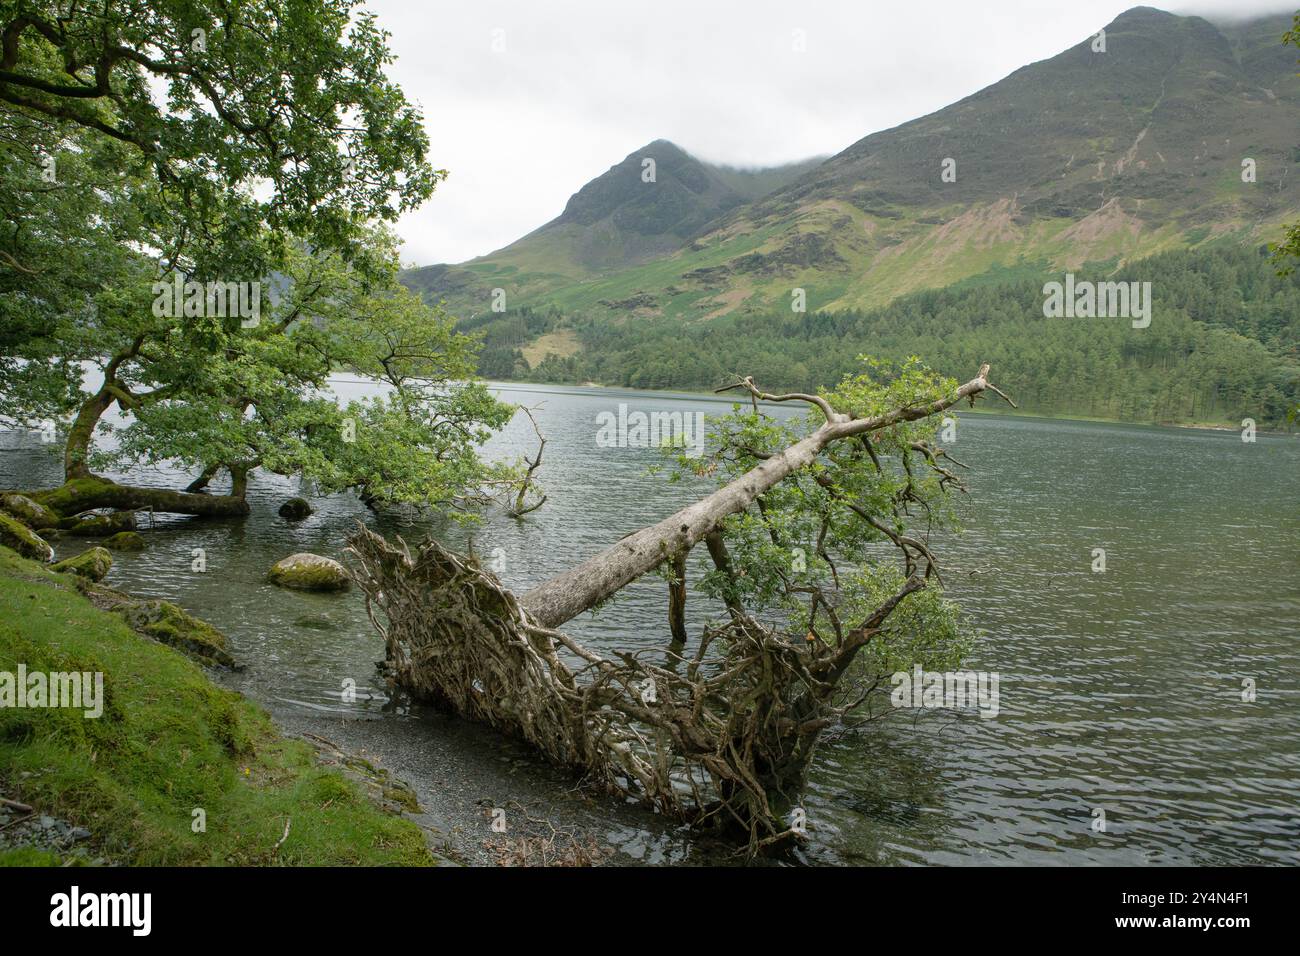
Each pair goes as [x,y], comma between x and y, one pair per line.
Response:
[93,564]
[31,513]
[295,509]
[396,795]
[14,534]
[310,572]
[402,795]
[168,624]
[101,526]
[125,541]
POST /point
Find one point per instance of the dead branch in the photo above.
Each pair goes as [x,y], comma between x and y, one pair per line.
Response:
[520,508]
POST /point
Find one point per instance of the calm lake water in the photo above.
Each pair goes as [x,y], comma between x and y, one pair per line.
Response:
[1120,692]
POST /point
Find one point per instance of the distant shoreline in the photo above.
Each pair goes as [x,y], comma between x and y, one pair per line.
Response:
[691,394]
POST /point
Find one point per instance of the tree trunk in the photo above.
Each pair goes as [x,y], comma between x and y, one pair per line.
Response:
[677,599]
[582,587]
[76,453]
[84,491]
[202,481]
[722,561]
[239,481]
[87,493]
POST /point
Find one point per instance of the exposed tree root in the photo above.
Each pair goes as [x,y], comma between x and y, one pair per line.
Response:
[723,736]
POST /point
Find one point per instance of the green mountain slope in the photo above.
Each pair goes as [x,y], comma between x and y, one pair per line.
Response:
[1087,157]
[1223,344]
[629,215]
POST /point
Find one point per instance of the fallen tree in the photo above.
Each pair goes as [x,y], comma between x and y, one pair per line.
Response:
[79,496]
[723,734]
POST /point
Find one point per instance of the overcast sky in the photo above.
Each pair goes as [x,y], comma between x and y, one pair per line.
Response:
[525,101]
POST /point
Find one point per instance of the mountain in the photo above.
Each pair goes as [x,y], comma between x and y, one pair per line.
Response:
[1086,158]
[645,207]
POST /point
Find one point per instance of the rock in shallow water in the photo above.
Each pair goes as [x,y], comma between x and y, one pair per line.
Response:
[295,509]
[93,563]
[310,572]
[125,541]
[102,526]
[169,624]
[316,623]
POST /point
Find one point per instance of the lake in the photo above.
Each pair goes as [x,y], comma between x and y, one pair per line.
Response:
[1121,692]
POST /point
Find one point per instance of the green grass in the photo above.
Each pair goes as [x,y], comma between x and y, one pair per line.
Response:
[169,742]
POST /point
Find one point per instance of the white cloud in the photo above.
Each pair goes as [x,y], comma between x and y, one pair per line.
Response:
[583,83]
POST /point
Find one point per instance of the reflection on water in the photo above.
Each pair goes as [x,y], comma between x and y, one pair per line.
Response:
[1120,691]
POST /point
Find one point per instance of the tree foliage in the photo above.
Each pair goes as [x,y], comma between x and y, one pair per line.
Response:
[261,397]
[825,548]
[147,146]
[218,98]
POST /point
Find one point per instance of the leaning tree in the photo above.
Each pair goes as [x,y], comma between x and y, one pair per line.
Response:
[814,613]
[173,143]
[204,394]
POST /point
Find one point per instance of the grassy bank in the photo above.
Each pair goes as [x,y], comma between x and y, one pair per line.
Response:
[169,742]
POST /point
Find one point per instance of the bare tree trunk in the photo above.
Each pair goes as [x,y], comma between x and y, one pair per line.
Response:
[582,587]
[521,506]
[677,599]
